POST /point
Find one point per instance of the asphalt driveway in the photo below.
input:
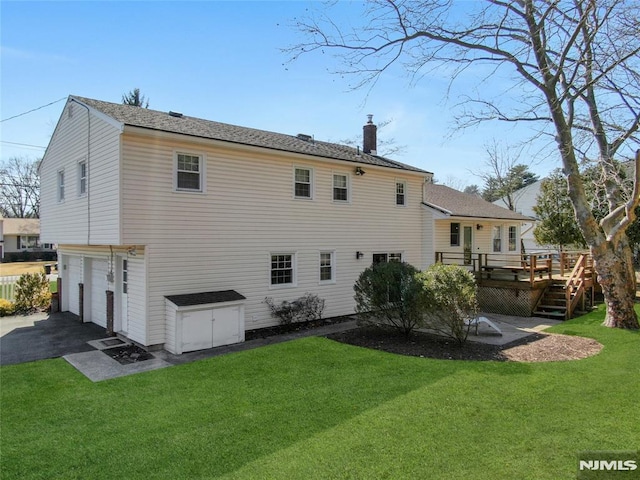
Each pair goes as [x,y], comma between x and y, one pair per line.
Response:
[42,335]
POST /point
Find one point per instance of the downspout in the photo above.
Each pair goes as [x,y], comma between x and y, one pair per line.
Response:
[88,169]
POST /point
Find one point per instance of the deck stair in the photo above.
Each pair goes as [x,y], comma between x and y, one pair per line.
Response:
[562,297]
[553,303]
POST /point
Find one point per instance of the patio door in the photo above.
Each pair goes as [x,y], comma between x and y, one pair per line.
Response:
[467,243]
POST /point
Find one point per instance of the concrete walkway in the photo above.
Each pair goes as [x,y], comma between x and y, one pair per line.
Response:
[42,336]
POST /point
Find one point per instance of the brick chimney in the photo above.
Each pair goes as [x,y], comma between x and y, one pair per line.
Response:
[369,137]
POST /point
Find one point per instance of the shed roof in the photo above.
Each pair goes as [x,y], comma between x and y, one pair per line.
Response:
[197,127]
[459,204]
[205,298]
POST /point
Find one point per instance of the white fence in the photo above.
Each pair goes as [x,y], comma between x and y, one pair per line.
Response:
[8,287]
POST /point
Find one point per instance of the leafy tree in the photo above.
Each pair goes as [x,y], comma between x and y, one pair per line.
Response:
[32,292]
[575,70]
[20,192]
[450,298]
[472,190]
[389,293]
[556,220]
[135,98]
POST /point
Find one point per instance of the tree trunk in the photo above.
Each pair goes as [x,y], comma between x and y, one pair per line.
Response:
[614,265]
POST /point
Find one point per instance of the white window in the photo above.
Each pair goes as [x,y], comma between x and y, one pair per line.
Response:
[401,193]
[82,178]
[189,172]
[454,234]
[340,188]
[28,241]
[387,257]
[282,269]
[61,186]
[327,267]
[512,238]
[303,183]
[497,238]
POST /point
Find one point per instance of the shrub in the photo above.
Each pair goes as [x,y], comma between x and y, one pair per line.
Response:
[6,307]
[32,293]
[389,293]
[450,298]
[304,309]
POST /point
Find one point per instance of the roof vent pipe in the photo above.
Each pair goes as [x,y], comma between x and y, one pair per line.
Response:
[369,137]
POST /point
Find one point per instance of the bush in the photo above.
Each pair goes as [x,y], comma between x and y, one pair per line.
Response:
[389,293]
[450,298]
[304,309]
[6,307]
[32,293]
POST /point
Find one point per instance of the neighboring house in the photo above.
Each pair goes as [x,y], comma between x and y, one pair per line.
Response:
[20,235]
[466,226]
[524,200]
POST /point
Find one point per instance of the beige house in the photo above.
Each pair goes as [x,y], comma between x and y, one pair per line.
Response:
[466,227]
[172,230]
[19,235]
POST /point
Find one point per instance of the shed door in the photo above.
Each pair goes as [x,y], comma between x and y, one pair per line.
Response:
[197,330]
[226,326]
[211,328]
[99,287]
[74,277]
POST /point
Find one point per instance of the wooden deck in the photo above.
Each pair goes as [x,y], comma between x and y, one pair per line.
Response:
[544,284]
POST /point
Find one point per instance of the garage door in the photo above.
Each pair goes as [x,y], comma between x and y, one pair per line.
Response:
[98,294]
[74,277]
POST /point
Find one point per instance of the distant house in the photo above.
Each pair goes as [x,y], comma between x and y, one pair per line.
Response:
[19,235]
[172,230]
[466,225]
[524,200]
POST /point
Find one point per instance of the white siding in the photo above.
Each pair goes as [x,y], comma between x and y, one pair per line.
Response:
[95,292]
[81,219]
[137,298]
[222,239]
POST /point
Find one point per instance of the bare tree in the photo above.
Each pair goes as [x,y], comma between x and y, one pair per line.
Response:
[20,193]
[386,146]
[504,174]
[574,66]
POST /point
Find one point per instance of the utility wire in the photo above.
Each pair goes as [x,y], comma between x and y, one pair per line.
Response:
[43,106]
[24,145]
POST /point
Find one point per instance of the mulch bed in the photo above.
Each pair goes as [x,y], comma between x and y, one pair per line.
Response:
[294,327]
[538,347]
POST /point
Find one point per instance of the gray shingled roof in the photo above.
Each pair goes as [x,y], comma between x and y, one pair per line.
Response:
[459,204]
[197,127]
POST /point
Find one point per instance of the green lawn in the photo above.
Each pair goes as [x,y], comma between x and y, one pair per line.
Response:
[313,408]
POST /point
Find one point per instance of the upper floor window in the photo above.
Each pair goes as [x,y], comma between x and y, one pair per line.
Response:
[82,178]
[455,235]
[61,186]
[512,238]
[497,238]
[189,172]
[303,178]
[340,188]
[401,193]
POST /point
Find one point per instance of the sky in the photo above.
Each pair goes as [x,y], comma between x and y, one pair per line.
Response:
[221,61]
